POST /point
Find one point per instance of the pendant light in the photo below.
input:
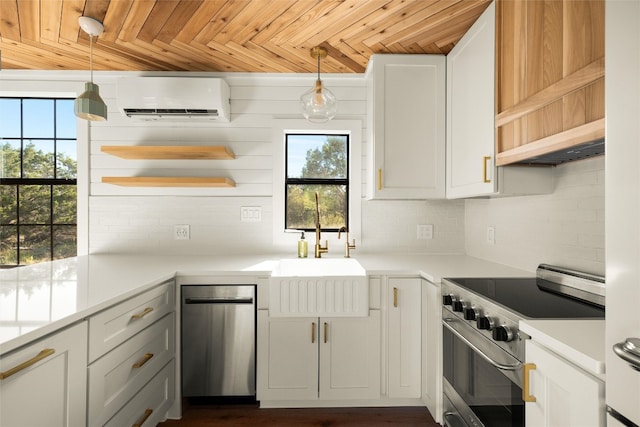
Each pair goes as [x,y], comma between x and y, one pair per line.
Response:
[89,105]
[318,104]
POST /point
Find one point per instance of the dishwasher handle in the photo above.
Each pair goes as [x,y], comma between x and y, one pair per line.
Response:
[218,300]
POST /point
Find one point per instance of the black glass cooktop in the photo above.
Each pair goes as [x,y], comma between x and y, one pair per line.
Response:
[531,297]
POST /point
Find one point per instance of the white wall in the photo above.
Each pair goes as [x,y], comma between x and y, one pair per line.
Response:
[133,220]
[565,228]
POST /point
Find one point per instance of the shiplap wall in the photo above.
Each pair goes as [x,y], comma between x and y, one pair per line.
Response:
[565,228]
[134,220]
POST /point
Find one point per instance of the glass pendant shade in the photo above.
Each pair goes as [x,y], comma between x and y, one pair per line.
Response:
[89,105]
[318,104]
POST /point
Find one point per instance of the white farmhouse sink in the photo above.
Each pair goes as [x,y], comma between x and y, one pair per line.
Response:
[318,267]
[313,287]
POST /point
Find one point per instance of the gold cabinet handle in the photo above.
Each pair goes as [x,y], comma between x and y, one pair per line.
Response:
[526,382]
[140,363]
[326,333]
[485,160]
[24,365]
[380,179]
[313,332]
[143,418]
[142,313]
[395,297]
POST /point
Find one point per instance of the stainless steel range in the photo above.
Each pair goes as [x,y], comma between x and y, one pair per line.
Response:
[483,350]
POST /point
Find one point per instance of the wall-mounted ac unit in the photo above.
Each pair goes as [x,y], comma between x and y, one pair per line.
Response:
[174,98]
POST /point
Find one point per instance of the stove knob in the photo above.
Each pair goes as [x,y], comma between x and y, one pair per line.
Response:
[459,306]
[503,333]
[484,322]
[447,299]
[471,313]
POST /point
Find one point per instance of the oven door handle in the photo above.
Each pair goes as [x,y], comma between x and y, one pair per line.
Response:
[451,419]
[498,365]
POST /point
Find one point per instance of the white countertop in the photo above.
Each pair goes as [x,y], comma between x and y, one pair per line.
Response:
[40,299]
[581,341]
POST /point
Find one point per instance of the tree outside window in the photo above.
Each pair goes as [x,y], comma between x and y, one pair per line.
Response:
[316,163]
[38,169]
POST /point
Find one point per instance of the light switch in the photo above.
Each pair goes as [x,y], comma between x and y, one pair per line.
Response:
[250,214]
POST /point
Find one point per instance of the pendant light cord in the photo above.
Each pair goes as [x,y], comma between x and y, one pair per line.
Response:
[318,56]
[91,56]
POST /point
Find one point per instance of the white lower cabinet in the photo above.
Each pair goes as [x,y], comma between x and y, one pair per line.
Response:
[132,354]
[404,300]
[115,378]
[432,348]
[310,358]
[565,395]
[44,383]
[150,405]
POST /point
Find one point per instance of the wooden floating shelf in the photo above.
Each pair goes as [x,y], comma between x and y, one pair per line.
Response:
[168,181]
[169,152]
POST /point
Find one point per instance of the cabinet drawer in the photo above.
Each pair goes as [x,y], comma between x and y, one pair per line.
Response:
[115,325]
[118,376]
[150,405]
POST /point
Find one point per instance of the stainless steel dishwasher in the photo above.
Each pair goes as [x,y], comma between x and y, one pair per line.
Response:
[218,340]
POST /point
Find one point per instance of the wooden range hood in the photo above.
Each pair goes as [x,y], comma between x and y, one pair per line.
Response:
[550,81]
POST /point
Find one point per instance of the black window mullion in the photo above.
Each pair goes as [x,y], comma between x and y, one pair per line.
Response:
[50,183]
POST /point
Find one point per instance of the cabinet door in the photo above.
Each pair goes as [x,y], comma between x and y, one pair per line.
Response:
[407,131]
[565,395]
[470,111]
[287,357]
[432,348]
[52,391]
[350,357]
[404,337]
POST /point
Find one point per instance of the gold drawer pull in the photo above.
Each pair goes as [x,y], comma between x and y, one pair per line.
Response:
[326,332]
[142,314]
[24,365]
[395,297]
[485,159]
[140,363]
[313,332]
[379,179]
[526,382]
[143,418]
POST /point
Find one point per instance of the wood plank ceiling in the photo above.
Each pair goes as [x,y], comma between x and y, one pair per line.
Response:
[227,35]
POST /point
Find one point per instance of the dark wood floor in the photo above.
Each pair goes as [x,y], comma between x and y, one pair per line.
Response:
[249,414]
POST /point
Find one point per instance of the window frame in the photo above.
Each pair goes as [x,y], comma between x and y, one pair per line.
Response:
[317,181]
[284,239]
[51,182]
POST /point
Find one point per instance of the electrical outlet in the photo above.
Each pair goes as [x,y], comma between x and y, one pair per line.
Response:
[491,235]
[181,232]
[425,231]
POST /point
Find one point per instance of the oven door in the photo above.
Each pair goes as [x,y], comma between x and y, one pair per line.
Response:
[482,383]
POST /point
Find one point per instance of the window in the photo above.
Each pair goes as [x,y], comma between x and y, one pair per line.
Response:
[38,196]
[316,164]
[334,170]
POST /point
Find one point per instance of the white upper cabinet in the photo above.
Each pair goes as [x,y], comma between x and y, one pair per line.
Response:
[470,141]
[470,110]
[406,128]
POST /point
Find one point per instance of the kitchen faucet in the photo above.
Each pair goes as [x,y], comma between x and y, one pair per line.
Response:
[319,250]
[347,246]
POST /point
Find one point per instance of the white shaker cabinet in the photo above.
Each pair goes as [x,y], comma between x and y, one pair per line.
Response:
[470,140]
[45,383]
[432,348]
[406,128]
[564,394]
[404,302]
[310,358]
